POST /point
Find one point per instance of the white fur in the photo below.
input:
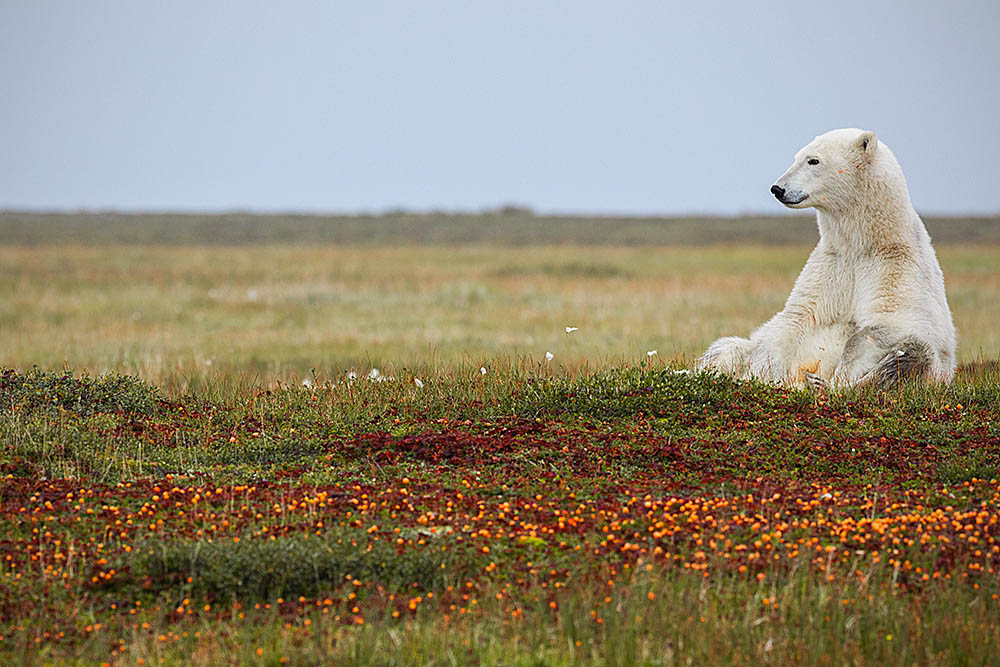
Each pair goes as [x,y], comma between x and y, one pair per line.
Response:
[873,267]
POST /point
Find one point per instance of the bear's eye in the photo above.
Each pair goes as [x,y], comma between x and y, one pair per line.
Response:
[813,161]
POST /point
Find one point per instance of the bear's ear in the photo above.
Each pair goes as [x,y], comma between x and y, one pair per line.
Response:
[867,143]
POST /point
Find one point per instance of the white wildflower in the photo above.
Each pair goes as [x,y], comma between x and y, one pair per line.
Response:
[682,371]
[418,382]
[572,329]
[307,383]
[482,370]
[375,374]
[352,376]
[651,353]
[549,356]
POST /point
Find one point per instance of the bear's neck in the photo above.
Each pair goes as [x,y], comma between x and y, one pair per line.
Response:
[881,217]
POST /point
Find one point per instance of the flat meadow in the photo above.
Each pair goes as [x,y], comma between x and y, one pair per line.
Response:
[301,440]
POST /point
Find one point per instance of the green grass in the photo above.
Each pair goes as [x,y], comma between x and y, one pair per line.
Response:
[794,620]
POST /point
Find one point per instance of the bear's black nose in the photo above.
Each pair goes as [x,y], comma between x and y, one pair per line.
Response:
[778,191]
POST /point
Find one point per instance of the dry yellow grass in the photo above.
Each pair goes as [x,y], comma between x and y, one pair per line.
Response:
[279,311]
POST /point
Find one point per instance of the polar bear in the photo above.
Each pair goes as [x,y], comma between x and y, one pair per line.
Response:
[869,305]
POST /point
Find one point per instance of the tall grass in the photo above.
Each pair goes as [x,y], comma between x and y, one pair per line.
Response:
[652,619]
[181,316]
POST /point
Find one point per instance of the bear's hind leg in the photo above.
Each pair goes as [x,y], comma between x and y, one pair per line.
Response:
[909,358]
[874,355]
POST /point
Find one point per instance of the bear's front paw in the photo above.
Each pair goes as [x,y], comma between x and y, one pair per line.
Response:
[726,354]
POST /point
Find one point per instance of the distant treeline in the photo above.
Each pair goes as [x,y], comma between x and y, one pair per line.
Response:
[507,227]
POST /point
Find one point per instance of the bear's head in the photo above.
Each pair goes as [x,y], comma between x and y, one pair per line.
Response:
[826,173]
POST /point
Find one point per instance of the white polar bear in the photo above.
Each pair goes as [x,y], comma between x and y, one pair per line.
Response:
[869,305]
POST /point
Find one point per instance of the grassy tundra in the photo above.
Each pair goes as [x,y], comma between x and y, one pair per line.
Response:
[190,297]
[598,507]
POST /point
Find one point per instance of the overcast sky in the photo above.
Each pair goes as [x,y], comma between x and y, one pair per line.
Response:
[606,107]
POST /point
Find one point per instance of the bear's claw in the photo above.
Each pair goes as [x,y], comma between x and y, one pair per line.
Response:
[815,382]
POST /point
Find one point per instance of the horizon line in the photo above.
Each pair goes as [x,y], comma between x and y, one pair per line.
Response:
[503,210]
